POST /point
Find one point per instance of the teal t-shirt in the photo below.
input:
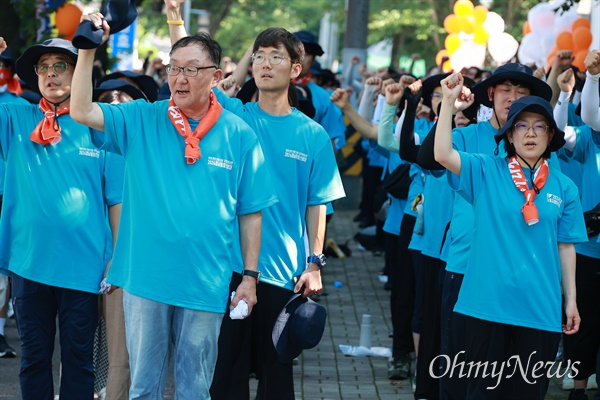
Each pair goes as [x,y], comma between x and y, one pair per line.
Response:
[299,155]
[587,156]
[8,97]
[54,228]
[514,274]
[177,228]
[328,115]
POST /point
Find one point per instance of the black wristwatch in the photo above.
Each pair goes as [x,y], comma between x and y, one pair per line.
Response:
[254,274]
[319,259]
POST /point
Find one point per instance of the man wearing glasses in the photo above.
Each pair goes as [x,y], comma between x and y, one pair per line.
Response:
[60,196]
[192,170]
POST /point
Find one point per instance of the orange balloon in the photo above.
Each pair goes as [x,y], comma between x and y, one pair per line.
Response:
[467,24]
[480,14]
[463,7]
[452,42]
[550,58]
[452,24]
[447,67]
[564,41]
[582,38]
[481,35]
[526,28]
[581,22]
[67,20]
[579,58]
[441,54]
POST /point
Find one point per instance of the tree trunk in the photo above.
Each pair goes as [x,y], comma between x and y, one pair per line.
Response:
[397,46]
[436,22]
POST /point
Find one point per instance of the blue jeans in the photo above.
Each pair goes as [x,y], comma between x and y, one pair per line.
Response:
[36,307]
[152,329]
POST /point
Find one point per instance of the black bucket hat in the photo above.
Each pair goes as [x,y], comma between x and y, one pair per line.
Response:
[311,45]
[25,64]
[6,56]
[429,86]
[118,13]
[299,326]
[118,84]
[144,82]
[537,105]
[516,72]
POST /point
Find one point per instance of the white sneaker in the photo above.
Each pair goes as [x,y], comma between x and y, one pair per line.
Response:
[567,383]
[592,384]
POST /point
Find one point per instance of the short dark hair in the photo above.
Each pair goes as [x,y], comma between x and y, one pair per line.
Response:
[204,41]
[273,37]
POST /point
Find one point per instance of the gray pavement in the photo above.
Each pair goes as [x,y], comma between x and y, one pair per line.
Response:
[324,372]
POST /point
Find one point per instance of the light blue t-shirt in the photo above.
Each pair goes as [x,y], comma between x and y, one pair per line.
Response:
[177,228]
[437,210]
[396,208]
[514,274]
[301,161]
[8,97]
[54,228]
[328,115]
[587,155]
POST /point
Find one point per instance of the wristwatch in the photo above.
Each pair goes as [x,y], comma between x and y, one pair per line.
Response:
[254,274]
[318,259]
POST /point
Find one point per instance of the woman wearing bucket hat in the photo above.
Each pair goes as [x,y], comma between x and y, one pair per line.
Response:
[55,240]
[528,217]
[508,83]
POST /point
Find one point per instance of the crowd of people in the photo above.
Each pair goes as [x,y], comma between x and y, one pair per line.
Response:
[191,220]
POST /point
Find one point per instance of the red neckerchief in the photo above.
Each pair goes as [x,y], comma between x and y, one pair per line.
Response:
[305,80]
[529,209]
[192,139]
[6,78]
[48,130]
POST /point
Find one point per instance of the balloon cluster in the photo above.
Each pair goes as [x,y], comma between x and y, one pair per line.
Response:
[470,29]
[67,19]
[547,32]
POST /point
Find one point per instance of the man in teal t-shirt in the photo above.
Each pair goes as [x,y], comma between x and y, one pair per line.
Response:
[192,169]
[60,194]
[302,163]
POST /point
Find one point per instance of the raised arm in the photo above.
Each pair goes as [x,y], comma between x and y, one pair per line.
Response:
[174,19]
[566,83]
[82,108]
[566,252]
[241,71]
[590,98]
[409,150]
[455,98]
[362,126]
[562,61]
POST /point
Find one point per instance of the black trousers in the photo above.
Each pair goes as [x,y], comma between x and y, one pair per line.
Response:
[402,298]
[500,343]
[429,343]
[246,346]
[584,345]
[371,187]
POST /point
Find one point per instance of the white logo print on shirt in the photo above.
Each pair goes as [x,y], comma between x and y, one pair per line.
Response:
[554,199]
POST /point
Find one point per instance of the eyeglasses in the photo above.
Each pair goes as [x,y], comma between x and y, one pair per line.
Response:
[538,128]
[174,70]
[274,59]
[436,96]
[59,68]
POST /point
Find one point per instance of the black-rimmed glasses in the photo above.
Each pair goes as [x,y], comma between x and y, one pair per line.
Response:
[174,70]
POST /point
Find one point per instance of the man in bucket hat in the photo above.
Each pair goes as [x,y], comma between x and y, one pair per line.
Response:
[55,239]
[508,83]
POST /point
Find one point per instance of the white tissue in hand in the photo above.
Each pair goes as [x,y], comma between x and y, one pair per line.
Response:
[240,311]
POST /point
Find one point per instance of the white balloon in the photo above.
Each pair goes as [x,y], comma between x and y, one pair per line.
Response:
[493,24]
[469,54]
[541,18]
[564,22]
[527,53]
[502,47]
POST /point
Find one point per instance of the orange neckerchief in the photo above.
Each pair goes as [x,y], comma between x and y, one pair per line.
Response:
[48,130]
[192,139]
[13,85]
[305,80]
[529,209]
